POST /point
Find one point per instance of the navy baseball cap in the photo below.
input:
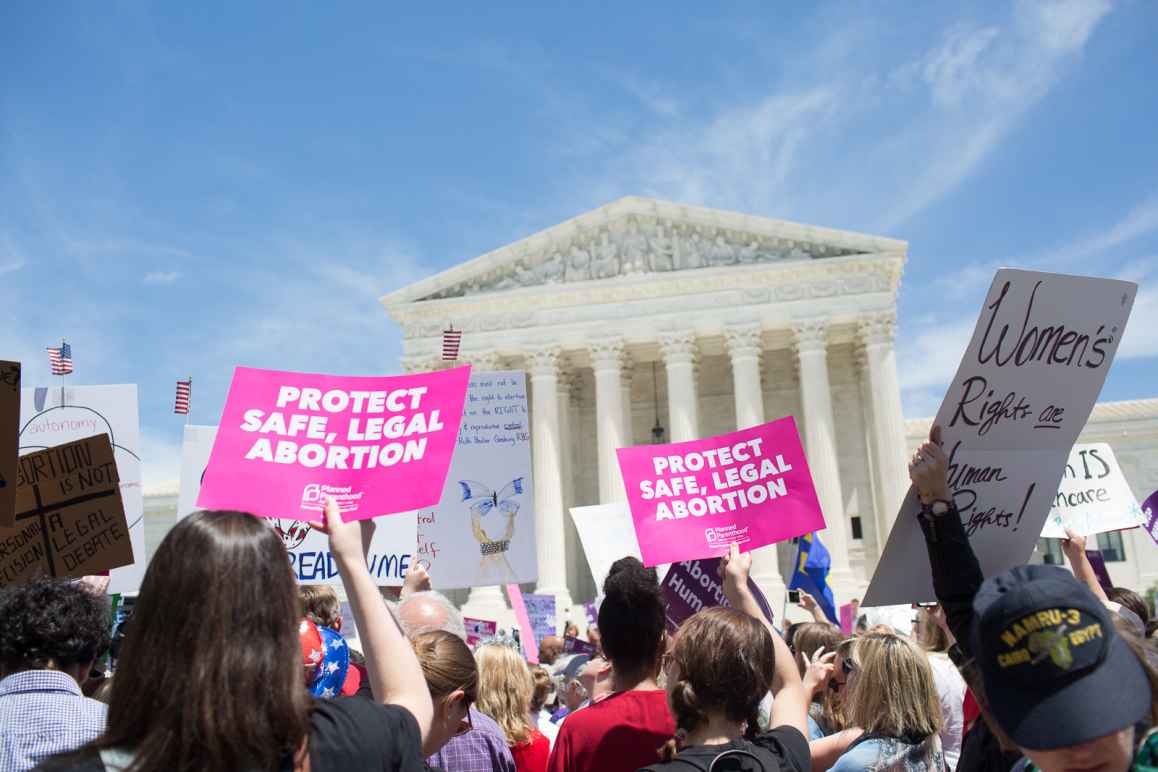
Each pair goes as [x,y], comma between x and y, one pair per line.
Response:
[1055,670]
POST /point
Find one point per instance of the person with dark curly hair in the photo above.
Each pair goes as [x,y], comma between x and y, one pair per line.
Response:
[52,632]
[623,731]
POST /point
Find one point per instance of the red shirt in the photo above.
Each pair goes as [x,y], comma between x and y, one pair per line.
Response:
[531,756]
[623,732]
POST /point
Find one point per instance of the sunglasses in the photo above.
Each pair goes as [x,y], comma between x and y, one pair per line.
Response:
[848,666]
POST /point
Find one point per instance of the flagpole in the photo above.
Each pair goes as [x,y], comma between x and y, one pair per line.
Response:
[62,374]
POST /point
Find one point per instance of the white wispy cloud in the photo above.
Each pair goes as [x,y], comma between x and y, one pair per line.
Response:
[11,256]
[161,277]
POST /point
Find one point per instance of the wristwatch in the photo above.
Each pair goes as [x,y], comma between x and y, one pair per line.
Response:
[935,508]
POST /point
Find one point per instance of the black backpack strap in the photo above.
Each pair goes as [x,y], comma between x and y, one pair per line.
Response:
[738,752]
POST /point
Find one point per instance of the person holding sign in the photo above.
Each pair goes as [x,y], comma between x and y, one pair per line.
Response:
[195,690]
[724,661]
[1055,676]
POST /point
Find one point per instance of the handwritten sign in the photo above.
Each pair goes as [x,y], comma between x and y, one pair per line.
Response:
[482,531]
[692,585]
[391,546]
[693,499]
[479,630]
[1150,515]
[1025,387]
[69,517]
[51,417]
[1094,496]
[541,612]
[523,620]
[376,445]
[9,439]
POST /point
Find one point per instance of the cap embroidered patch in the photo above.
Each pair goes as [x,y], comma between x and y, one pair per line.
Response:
[1062,637]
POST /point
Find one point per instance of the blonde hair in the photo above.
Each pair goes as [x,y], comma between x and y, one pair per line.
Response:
[932,636]
[505,687]
[320,604]
[892,690]
[447,664]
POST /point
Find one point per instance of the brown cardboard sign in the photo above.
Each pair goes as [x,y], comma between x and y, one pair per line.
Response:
[70,520]
[9,439]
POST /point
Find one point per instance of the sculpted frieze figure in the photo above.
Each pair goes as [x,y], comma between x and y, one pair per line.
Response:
[633,248]
[606,260]
[720,252]
[578,263]
[664,250]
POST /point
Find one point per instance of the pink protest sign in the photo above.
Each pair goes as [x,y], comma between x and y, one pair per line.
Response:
[479,630]
[847,618]
[523,619]
[378,445]
[691,500]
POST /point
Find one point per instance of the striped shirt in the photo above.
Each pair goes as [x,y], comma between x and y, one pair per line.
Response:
[42,713]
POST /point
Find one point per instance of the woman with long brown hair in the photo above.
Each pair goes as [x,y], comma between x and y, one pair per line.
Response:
[210,675]
[452,678]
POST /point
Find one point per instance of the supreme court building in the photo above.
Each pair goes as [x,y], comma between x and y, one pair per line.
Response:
[646,321]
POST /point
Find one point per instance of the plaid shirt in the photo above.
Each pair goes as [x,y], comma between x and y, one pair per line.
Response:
[42,713]
[483,749]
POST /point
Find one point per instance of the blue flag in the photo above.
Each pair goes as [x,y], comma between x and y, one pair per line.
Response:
[811,574]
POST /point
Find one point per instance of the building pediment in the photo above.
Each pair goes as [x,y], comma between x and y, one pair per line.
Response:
[635,236]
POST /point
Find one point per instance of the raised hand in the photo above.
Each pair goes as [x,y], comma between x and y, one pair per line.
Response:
[929,469]
[417,579]
[1074,546]
[736,566]
[807,602]
[817,670]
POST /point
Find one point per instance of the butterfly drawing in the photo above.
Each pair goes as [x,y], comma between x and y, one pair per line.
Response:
[482,499]
[292,532]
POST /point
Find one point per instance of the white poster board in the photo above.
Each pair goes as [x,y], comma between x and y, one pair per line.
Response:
[482,532]
[89,410]
[390,550]
[1025,387]
[1094,496]
[607,534]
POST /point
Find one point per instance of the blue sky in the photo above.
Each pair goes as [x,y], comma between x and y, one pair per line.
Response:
[186,187]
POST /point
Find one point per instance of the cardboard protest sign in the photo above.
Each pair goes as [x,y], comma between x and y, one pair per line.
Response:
[523,620]
[541,612]
[50,417]
[606,533]
[9,439]
[378,445]
[391,546]
[1026,385]
[69,517]
[479,630]
[482,530]
[1150,515]
[1094,496]
[692,585]
[693,499]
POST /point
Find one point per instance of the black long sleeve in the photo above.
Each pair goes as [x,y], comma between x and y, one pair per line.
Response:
[956,573]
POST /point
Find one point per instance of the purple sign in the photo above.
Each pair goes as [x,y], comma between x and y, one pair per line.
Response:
[692,585]
[1098,563]
[592,613]
[1150,510]
[572,645]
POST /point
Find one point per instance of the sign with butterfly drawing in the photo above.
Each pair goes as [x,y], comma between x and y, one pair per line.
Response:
[483,530]
[391,547]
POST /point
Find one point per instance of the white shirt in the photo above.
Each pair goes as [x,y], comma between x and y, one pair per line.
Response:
[951,694]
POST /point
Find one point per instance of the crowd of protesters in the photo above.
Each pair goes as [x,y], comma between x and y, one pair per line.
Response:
[229,665]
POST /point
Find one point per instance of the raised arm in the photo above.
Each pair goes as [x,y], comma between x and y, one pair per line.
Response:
[394,673]
[790,703]
[809,604]
[956,573]
[1074,547]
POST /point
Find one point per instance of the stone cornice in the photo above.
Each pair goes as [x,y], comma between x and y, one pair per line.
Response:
[740,285]
[592,230]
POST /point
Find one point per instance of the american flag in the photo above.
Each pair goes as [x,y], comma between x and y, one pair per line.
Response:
[184,391]
[450,341]
[60,358]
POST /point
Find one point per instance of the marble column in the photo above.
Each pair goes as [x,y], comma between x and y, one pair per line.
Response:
[745,344]
[550,538]
[888,424]
[679,355]
[820,444]
[625,377]
[485,602]
[565,388]
[607,359]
